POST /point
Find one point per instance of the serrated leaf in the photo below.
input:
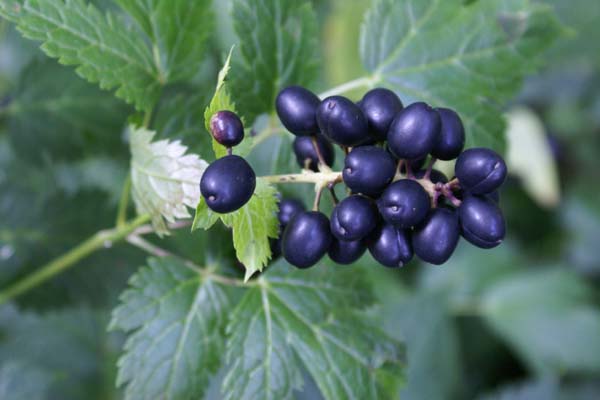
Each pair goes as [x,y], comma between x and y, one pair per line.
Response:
[469,57]
[549,319]
[253,225]
[278,42]
[301,319]
[204,217]
[165,181]
[175,316]
[104,50]
[179,29]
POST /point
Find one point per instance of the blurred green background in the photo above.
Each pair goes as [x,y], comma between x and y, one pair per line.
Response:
[521,321]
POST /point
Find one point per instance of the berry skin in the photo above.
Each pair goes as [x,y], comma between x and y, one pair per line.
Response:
[305,150]
[288,208]
[414,132]
[452,136]
[345,253]
[306,239]
[342,121]
[435,176]
[481,222]
[480,170]
[435,239]
[368,170]
[227,184]
[390,246]
[404,204]
[227,128]
[380,106]
[353,218]
[297,110]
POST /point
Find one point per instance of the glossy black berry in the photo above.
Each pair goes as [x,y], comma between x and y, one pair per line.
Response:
[390,246]
[353,218]
[297,110]
[380,106]
[227,128]
[342,122]
[414,131]
[435,239]
[404,203]
[306,239]
[343,252]
[452,136]
[288,208]
[227,184]
[481,222]
[307,155]
[480,170]
[435,176]
[368,170]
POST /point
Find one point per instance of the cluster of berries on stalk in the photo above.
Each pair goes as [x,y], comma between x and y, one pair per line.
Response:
[397,205]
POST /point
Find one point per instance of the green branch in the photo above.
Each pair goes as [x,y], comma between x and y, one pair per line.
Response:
[70,258]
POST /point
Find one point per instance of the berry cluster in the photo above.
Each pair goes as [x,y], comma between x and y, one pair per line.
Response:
[398,206]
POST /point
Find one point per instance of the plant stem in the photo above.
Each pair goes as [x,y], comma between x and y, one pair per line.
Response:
[124,202]
[365,81]
[58,265]
[313,177]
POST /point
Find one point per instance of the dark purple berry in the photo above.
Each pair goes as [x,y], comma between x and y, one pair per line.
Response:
[227,128]
[288,208]
[380,106]
[404,203]
[415,165]
[227,184]
[353,218]
[307,155]
[368,170]
[306,239]
[435,239]
[342,121]
[481,222]
[414,131]
[343,252]
[297,110]
[480,170]
[435,176]
[390,246]
[452,136]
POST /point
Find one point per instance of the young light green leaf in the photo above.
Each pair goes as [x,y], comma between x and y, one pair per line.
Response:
[278,42]
[469,57]
[178,29]
[549,318]
[302,319]
[253,225]
[205,217]
[165,181]
[104,50]
[175,317]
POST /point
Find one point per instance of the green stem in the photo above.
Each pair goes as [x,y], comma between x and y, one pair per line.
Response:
[312,177]
[363,82]
[70,258]
[124,202]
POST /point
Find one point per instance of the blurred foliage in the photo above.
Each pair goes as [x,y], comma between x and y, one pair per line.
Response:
[518,322]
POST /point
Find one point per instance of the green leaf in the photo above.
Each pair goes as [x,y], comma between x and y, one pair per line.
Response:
[175,316]
[469,57]
[104,50]
[165,181]
[20,381]
[205,217]
[253,225]
[179,29]
[278,42]
[296,319]
[548,317]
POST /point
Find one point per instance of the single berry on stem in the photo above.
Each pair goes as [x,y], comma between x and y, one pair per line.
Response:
[481,222]
[353,218]
[227,184]
[306,239]
[414,132]
[404,203]
[368,170]
[435,239]
[390,246]
[297,110]
[227,128]
[380,106]
[306,153]
[342,121]
[343,252]
[480,170]
[452,136]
